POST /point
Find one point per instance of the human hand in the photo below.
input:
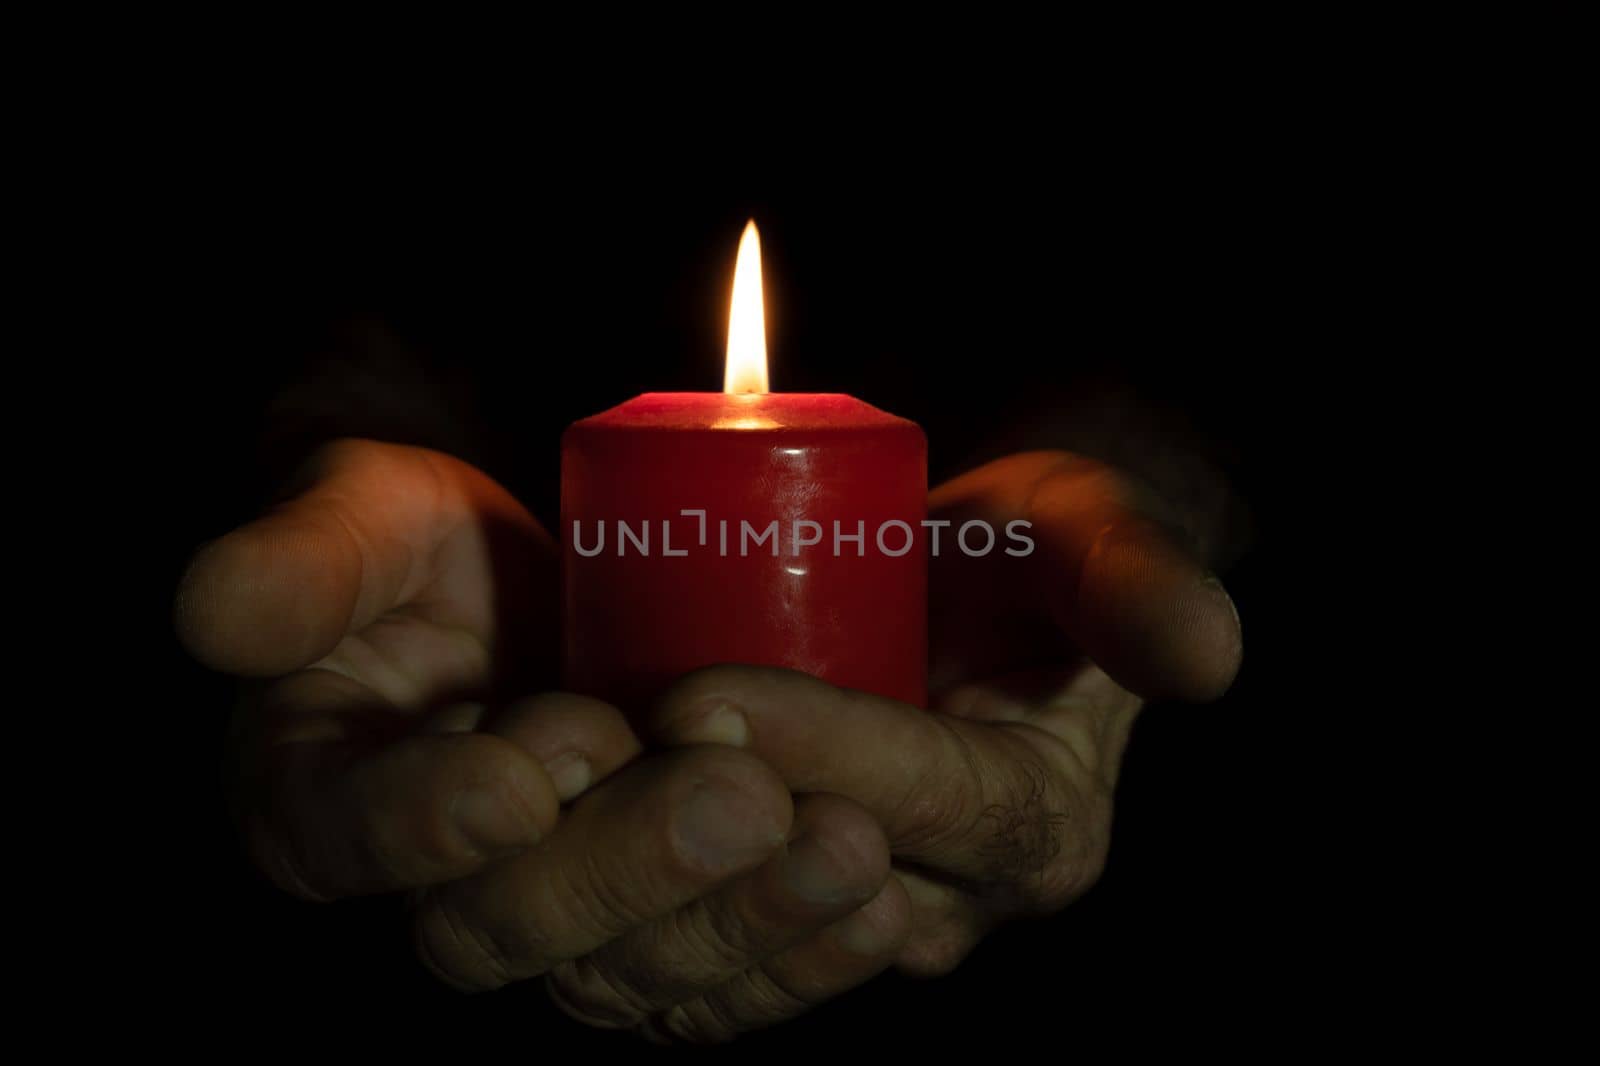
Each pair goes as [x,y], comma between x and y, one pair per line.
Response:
[384,606]
[997,804]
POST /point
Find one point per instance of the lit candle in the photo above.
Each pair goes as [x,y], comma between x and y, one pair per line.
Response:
[779,529]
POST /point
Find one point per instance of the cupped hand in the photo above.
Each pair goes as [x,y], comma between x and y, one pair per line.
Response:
[998,803]
[383,608]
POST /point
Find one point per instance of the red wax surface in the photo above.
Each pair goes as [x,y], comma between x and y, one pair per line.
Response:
[635,621]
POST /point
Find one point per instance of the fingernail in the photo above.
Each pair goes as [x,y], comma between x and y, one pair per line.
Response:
[492,820]
[860,934]
[570,773]
[814,874]
[721,829]
[723,723]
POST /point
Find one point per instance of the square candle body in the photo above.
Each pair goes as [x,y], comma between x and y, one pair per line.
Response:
[810,553]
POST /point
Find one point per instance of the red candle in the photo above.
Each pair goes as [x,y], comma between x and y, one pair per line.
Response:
[744,526]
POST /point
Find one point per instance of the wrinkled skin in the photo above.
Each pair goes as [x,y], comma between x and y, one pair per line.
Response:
[762,841]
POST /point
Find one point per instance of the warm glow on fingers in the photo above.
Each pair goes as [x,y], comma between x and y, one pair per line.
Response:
[747,323]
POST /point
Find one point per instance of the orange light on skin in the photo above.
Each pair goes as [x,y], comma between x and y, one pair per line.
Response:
[746,370]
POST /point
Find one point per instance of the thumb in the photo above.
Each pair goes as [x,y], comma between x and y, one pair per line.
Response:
[1111,578]
[1128,592]
[281,592]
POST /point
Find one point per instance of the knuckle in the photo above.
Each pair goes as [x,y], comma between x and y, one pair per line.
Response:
[789,985]
[765,993]
[1045,830]
[344,453]
[587,991]
[375,461]
[1080,863]
[1087,478]
[1030,467]
[455,951]
[946,802]
[727,764]
[338,452]
[707,681]
[1058,885]
[754,998]
[597,899]
[1076,870]
[715,937]
[701,688]
[749,1000]
[334,458]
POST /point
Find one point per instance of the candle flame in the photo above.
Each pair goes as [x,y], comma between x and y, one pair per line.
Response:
[746,370]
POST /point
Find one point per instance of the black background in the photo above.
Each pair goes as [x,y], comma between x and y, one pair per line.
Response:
[1187,280]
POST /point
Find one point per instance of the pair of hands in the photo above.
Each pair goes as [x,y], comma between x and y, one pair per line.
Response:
[762,841]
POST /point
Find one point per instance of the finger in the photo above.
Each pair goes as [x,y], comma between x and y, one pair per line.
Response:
[946,924]
[578,740]
[661,833]
[846,954]
[980,801]
[368,535]
[1114,578]
[328,819]
[836,861]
